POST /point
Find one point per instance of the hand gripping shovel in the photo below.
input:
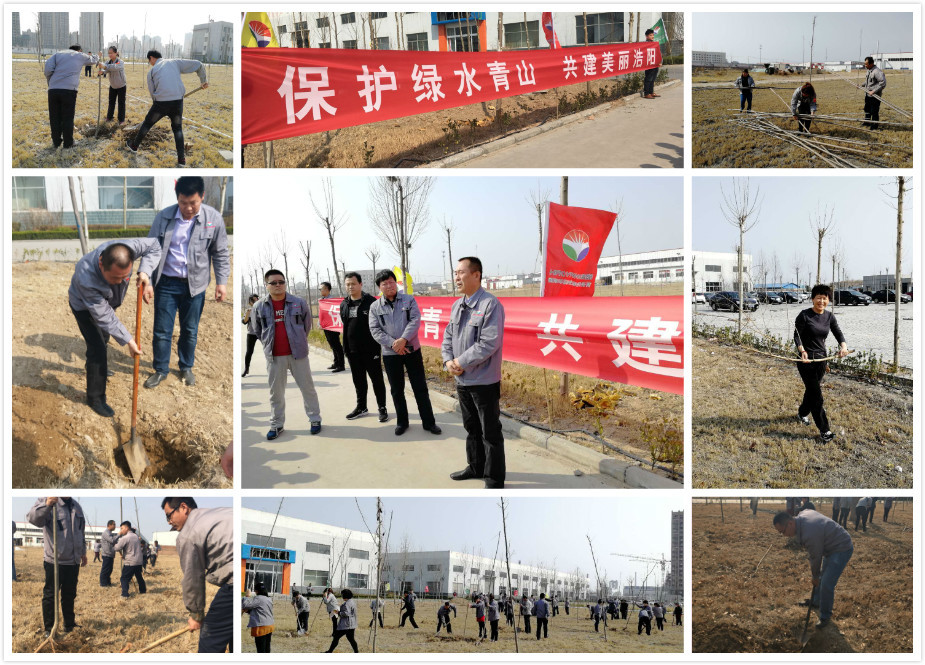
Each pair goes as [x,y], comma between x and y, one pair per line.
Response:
[134,449]
[809,610]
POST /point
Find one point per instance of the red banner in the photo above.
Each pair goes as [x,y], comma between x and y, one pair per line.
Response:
[638,341]
[572,245]
[290,91]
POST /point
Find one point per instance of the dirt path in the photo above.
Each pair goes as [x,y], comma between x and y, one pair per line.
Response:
[745,431]
[59,442]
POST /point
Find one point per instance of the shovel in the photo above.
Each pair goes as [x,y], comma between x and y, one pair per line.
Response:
[805,638]
[134,449]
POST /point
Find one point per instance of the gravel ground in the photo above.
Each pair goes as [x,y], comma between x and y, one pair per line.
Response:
[866,328]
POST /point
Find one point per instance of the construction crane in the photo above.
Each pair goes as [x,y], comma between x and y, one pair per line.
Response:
[663,562]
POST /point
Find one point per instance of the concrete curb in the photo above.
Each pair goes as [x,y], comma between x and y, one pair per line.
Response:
[526,134]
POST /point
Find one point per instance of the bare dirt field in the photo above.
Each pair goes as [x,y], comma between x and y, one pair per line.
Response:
[745,431]
[205,111]
[738,610]
[567,634]
[419,139]
[106,623]
[59,442]
[721,144]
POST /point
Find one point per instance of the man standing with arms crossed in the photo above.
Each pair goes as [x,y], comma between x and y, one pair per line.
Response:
[471,352]
[206,550]
[363,352]
[62,71]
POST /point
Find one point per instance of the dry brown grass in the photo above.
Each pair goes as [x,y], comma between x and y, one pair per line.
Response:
[717,143]
[212,108]
[574,633]
[745,431]
[737,610]
[107,624]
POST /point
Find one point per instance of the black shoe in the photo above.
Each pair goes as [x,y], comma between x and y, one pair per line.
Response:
[154,380]
[356,413]
[465,474]
[803,419]
[337,369]
[383,414]
[826,437]
[494,485]
[400,429]
[68,629]
[434,429]
[332,366]
[102,408]
[186,376]
[822,623]
[245,373]
[128,144]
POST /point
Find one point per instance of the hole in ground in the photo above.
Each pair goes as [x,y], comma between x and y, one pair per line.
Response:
[171,458]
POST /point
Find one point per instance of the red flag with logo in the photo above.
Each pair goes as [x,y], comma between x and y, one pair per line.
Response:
[550,31]
[572,245]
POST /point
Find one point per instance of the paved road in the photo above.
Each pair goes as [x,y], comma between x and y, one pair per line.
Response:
[640,133]
[364,453]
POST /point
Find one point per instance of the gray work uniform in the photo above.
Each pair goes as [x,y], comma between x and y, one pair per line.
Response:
[206,550]
[821,537]
[475,335]
[526,607]
[260,609]
[72,544]
[301,604]
[89,291]
[297,318]
[207,249]
[63,69]
[443,613]
[389,321]
[797,99]
[347,617]
[107,541]
[165,82]
[131,548]
[331,605]
[116,71]
[875,81]
[493,613]
[479,609]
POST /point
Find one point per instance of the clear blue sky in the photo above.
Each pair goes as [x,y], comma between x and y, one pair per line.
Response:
[98,510]
[539,529]
[781,34]
[492,217]
[865,221]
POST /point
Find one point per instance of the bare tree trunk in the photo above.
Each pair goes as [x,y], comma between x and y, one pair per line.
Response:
[498,114]
[80,234]
[598,578]
[99,79]
[901,186]
[83,205]
[124,202]
[507,559]
[584,16]
[526,31]
[221,196]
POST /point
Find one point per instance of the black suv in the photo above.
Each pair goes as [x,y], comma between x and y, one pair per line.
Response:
[771,297]
[729,300]
[851,297]
[889,295]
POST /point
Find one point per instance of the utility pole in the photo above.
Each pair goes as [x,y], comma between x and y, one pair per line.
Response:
[901,183]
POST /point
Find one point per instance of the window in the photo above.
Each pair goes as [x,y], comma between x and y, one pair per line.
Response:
[315,578]
[433,567]
[323,22]
[301,34]
[663,274]
[503,575]
[445,17]
[357,581]
[408,568]
[648,274]
[679,272]
[281,29]
[358,554]
[515,36]
[324,45]
[713,287]
[349,43]
[263,541]
[317,548]
[139,192]
[346,19]
[474,571]
[29,192]
[417,41]
[632,275]
[458,569]
[378,14]
[709,268]
[514,576]
[382,43]
[604,28]
[462,38]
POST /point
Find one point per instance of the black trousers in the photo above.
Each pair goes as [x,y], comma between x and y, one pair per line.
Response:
[116,95]
[302,621]
[812,375]
[441,623]
[395,367]
[409,615]
[509,619]
[648,83]
[152,560]
[61,104]
[251,343]
[263,643]
[338,349]
[67,582]
[597,621]
[381,625]
[555,610]
[886,512]
[843,517]
[128,572]
[494,630]
[344,633]
[106,571]
[527,623]
[361,366]
[566,610]
[481,413]
[623,612]
[96,366]
[677,619]
[871,110]
[542,623]
[804,123]
[333,626]
[660,623]
[217,630]
[647,623]
[173,110]
[860,518]
[483,631]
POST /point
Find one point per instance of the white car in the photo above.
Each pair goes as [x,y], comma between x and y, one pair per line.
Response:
[698,298]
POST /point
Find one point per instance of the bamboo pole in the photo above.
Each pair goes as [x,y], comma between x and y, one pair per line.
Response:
[598,578]
[50,640]
[161,641]
[507,558]
[882,100]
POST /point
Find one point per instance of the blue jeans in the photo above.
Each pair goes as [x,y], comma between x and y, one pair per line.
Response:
[171,295]
[832,567]
[745,96]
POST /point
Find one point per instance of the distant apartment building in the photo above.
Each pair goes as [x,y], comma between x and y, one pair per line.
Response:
[54,29]
[213,42]
[709,58]
[92,29]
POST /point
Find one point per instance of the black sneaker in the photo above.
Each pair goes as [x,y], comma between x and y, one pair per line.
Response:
[338,369]
[383,414]
[826,437]
[356,413]
[128,144]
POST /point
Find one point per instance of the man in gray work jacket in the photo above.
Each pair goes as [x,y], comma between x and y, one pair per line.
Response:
[165,83]
[107,553]
[471,352]
[829,547]
[62,72]
[132,558]
[394,320]
[98,288]
[874,85]
[206,550]
[282,321]
[72,555]
[193,241]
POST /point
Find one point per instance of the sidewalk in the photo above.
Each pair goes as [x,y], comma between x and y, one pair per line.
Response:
[365,453]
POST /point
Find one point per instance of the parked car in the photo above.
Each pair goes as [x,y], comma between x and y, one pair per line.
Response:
[771,298]
[729,300]
[851,297]
[698,298]
[889,295]
[792,296]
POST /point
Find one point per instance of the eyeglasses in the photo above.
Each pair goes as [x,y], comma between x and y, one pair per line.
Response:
[170,514]
[277,282]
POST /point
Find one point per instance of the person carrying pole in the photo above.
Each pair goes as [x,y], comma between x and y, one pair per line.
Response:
[874,85]
[302,610]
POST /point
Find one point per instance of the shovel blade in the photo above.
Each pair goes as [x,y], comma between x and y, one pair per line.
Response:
[137,458]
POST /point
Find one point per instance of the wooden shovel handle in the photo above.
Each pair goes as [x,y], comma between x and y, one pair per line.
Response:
[159,642]
[137,358]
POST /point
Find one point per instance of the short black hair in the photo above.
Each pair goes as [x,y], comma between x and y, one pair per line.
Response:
[869,59]
[357,276]
[119,255]
[154,54]
[346,594]
[383,275]
[822,290]
[650,31]
[272,271]
[75,47]
[113,522]
[126,523]
[474,263]
[175,501]
[327,284]
[782,517]
[189,185]
[113,48]
[252,297]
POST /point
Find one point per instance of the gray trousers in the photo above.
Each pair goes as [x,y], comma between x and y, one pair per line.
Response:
[278,368]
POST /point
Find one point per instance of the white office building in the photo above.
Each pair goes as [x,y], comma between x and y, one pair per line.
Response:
[658,267]
[887,61]
[29,535]
[709,59]
[717,271]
